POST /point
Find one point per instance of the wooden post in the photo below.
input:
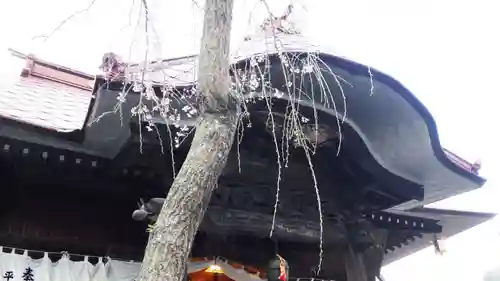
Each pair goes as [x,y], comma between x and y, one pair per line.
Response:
[366,265]
[375,255]
[354,265]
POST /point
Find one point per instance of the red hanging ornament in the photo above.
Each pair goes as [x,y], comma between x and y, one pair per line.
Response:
[283,269]
[278,269]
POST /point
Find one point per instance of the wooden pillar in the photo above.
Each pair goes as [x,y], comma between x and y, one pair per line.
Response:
[375,255]
[365,265]
[354,265]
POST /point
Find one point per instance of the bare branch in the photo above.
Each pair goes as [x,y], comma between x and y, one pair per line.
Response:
[62,23]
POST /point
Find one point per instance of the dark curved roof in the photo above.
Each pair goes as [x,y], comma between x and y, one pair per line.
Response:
[409,137]
[396,127]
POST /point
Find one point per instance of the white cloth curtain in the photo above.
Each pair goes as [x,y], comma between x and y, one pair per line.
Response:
[17,265]
[237,274]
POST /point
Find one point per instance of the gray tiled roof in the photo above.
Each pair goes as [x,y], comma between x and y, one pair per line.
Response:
[44,103]
[183,71]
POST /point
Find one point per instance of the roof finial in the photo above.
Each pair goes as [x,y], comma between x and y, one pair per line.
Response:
[476,166]
[28,67]
[112,66]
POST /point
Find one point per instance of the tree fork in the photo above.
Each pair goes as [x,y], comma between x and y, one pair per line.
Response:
[172,236]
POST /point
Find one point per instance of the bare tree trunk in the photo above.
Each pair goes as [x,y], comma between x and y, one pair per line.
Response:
[172,236]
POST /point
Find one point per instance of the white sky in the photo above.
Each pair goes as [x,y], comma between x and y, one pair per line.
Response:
[446,52]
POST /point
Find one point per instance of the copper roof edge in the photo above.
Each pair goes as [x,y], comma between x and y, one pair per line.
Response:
[462,163]
[47,70]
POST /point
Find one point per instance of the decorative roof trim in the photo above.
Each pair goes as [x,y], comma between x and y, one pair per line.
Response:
[462,163]
[54,72]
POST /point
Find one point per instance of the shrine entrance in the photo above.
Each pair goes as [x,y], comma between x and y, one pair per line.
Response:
[222,270]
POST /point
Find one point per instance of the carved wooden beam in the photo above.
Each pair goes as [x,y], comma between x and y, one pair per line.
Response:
[230,221]
[236,221]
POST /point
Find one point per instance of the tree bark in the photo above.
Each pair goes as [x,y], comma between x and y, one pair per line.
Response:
[172,236]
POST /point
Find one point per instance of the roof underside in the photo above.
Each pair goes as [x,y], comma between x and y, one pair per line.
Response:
[452,221]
